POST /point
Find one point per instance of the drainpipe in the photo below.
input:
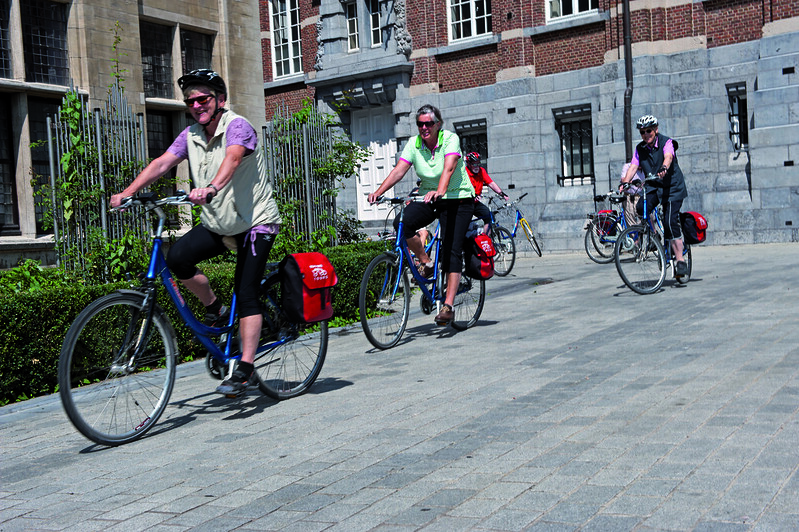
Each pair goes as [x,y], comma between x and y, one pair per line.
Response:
[628,73]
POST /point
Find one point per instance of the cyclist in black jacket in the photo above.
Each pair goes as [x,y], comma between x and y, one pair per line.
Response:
[656,155]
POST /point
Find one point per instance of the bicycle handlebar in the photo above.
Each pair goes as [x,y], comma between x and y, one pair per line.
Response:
[149,198]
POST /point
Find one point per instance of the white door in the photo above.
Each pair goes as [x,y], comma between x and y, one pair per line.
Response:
[374,128]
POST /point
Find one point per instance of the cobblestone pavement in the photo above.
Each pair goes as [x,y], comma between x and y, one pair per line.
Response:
[573,404]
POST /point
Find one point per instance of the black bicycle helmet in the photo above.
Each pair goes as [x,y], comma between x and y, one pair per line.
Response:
[473,157]
[203,76]
[646,121]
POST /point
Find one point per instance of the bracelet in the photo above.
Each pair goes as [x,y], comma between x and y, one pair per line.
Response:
[216,190]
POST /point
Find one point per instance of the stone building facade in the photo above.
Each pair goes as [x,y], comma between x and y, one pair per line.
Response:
[47,46]
[538,88]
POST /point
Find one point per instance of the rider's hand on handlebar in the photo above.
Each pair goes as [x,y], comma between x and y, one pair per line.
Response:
[372,198]
[433,195]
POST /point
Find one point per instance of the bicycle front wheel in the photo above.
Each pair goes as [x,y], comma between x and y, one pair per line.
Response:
[384,301]
[506,250]
[530,236]
[109,393]
[640,260]
[468,303]
[599,245]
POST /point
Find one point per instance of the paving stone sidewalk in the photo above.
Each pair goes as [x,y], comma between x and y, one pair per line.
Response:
[574,404]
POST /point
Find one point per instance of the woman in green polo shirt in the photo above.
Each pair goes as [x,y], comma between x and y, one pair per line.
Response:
[435,155]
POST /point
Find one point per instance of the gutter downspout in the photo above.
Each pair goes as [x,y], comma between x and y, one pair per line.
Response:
[628,73]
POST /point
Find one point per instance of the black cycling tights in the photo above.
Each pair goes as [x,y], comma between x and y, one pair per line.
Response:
[671,214]
[200,244]
[455,216]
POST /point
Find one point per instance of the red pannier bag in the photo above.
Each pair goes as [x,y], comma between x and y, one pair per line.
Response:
[306,280]
[479,253]
[694,227]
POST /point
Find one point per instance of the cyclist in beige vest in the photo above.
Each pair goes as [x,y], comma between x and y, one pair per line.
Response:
[228,169]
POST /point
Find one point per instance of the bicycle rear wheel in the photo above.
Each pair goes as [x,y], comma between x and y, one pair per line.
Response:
[640,260]
[530,236]
[468,303]
[111,397]
[290,355]
[599,245]
[384,301]
[506,250]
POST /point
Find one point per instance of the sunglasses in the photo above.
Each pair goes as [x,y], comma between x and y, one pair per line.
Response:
[428,124]
[202,100]
[647,131]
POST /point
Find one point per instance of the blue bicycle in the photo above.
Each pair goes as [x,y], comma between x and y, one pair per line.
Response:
[384,299]
[640,255]
[117,364]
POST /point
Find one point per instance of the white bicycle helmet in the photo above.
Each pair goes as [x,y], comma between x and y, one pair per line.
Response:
[646,121]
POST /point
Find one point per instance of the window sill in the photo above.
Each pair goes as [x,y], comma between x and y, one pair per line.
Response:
[458,46]
[285,81]
[572,22]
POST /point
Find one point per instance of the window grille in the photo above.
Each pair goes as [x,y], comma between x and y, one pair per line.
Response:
[577,161]
[5,41]
[474,137]
[196,50]
[9,210]
[469,18]
[38,111]
[156,59]
[286,49]
[738,116]
[44,40]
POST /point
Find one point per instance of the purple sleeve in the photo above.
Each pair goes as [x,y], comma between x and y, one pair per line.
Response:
[240,132]
[635,160]
[668,147]
[179,148]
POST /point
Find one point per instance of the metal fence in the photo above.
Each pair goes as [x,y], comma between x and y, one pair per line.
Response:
[296,150]
[115,151]
[112,152]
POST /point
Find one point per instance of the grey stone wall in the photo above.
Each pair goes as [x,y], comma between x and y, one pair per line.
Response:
[748,197]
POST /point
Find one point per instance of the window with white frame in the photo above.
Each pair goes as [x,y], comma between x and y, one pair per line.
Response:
[573,125]
[558,9]
[469,18]
[374,22]
[286,50]
[351,11]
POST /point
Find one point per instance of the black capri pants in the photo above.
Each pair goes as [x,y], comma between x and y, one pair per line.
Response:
[455,215]
[200,244]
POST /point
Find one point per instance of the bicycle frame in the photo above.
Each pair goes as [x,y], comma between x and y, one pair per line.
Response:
[404,255]
[159,269]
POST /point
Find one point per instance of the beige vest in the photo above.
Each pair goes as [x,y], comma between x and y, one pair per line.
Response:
[243,203]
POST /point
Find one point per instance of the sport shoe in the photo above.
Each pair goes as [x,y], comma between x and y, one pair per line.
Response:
[681,269]
[236,384]
[425,270]
[217,320]
[445,316]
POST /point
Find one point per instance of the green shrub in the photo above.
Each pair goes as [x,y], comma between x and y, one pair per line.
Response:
[41,303]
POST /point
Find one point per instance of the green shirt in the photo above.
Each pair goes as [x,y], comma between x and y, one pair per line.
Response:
[430,165]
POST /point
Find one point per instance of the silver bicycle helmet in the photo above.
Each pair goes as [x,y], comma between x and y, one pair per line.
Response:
[646,121]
